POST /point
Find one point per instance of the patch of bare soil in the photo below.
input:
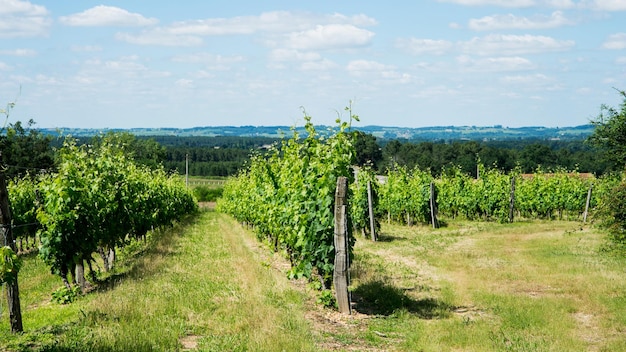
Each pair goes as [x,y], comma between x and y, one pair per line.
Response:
[588,330]
[189,342]
[207,205]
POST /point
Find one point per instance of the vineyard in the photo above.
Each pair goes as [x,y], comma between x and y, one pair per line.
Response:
[287,197]
[96,202]
[99,202]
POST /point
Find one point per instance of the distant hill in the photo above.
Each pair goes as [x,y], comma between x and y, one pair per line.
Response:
[381,132]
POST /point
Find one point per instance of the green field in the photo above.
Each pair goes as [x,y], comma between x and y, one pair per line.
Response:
[208,285]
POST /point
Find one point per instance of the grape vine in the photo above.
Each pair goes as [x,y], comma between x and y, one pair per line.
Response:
[288,197]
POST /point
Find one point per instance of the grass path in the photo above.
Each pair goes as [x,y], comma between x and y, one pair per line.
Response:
[205,289]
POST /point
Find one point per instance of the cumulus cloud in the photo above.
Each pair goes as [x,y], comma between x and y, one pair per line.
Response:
[598,5]
[23,19]
[207,58]
[615,41]
[290,29]
[526,79]
[269,22]
[494,63]
[330,37]
[509,45]
[503,3]
[510,21]
[18,52]
[159,37]
[101,15]
[608,5]
[493,44]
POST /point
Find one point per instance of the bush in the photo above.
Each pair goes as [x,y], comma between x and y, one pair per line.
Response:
[616,214]
[63,295]
[206,194]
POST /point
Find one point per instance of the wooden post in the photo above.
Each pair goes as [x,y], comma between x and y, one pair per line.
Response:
[341,277]
[187,170]
[587,203]
[6,239]
[433,206]
[512,199]
[371,212]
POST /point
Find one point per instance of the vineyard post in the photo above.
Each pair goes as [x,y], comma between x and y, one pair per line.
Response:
[341,277]
[512,199]
[433,206]
[13,292]
[371,211]
[587,203]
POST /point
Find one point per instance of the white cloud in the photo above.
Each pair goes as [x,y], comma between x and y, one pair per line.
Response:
[526,79]
[4,67]
[320,65]
[496,44]
[621,60]
[558,4]
[377,71]
[273,22]
[210,61]
[608,5]
[23,19]
[599,5]
[615,41]
[18,52]
[503,3]
[510,21]
[126,66]
[493,44]
[534,81]
[424,46]
[12,7]
[207,58]
[159,38]
[293,55]
[333,36]
[494,64]
[184,83]
[300,30]
[107,16]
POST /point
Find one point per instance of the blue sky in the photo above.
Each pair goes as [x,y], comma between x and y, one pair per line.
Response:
[125,64]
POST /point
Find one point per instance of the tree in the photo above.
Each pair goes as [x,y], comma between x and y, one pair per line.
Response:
[25,149]
[144,151]
[610,134]
[367,149]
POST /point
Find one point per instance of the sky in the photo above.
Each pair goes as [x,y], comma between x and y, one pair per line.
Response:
[183,64]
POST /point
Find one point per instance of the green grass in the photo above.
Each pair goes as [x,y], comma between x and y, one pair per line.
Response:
[539,286]
[199,282]
[470,286]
